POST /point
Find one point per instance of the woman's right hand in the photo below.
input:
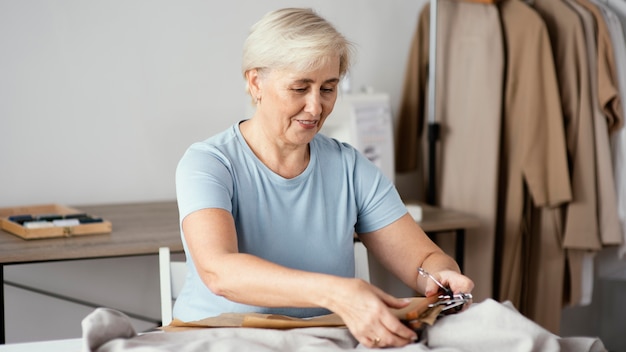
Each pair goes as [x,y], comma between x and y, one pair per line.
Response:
[364,309]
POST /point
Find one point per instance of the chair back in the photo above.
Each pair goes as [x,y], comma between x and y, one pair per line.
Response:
[171,277]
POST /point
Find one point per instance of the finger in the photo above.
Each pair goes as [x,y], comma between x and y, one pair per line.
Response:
[394,302]
[399,333]
[373,342]
[391,301]
[380,339]
[387,331]
[392,340]
[432,289]
[457,282]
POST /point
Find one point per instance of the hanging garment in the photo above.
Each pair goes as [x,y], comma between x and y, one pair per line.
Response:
[412,110]
[578,217]
[469,73]
[610,103]
[580,259]
[619,7]
[618,139]
[534,160]
[469,55]
[410,148]
[569,47]
[608,94]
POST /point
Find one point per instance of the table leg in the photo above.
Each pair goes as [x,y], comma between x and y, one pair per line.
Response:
[2,335]
[459,249]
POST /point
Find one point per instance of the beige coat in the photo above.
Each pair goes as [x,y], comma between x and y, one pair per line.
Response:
[470,66]
[577,218]
[610,119]
[534,153]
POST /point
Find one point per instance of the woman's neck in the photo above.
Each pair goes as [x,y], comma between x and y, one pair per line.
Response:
[285,160]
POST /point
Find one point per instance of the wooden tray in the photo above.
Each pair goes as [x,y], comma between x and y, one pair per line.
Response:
[48,232]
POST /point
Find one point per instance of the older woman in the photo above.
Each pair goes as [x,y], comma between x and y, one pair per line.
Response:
[269,207]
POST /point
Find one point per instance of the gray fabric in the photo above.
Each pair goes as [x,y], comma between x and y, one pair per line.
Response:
[103,325]
[493,326]
[486,326]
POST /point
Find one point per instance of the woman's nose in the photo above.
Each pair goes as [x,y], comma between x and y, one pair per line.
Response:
[313,105]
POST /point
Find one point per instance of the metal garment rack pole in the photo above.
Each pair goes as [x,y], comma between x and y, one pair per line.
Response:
[433,125]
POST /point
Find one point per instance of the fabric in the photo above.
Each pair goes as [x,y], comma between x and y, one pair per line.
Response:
[618,139]
[486,326]
[611,107]
[470,54]
[619,7]
[608,91]
[419,312]
[104,324]
[578,246]
[577,218]
[534,158]
[569,47]
[413,109]
[311,218]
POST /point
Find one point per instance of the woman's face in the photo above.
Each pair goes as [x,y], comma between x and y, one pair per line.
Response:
[294,105]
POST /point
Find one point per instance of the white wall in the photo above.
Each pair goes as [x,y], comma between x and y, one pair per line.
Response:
[99,99]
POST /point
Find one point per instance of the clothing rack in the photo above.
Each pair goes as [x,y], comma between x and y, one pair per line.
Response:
[433,125]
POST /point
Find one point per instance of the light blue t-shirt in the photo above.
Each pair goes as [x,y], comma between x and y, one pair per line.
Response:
[307,222]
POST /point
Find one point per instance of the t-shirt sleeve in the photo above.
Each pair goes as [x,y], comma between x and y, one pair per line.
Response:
[378,201]
[203,180]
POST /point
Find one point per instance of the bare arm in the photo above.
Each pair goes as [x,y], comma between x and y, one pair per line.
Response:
[403,246]
[244,278]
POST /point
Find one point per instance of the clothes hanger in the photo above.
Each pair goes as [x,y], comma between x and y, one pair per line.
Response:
[487,2]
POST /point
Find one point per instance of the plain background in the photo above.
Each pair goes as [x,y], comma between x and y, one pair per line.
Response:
[99,99]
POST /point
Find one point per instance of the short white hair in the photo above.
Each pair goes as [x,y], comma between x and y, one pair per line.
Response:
[294,38]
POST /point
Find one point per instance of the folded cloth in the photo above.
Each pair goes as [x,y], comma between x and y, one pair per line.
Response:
[418,313]
[494,326]
[485,326]
[105,324]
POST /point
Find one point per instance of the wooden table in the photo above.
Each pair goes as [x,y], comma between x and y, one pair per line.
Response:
[436,220]
[138,229]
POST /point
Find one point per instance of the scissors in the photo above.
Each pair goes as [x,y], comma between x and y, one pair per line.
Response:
[451,302]
[446,290]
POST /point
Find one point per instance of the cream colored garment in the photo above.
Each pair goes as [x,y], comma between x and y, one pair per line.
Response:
[610,103]
[470,66]
[534,158]
[580,260]
[619,7]
[618,139]
[608,91]
[577,258]
[573,70]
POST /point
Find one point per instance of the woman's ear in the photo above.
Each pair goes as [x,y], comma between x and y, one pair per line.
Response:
[253,78]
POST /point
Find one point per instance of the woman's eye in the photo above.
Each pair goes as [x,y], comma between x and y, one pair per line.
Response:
[299,90]
[328,90]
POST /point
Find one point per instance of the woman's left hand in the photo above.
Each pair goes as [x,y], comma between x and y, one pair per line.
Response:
[456,282]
